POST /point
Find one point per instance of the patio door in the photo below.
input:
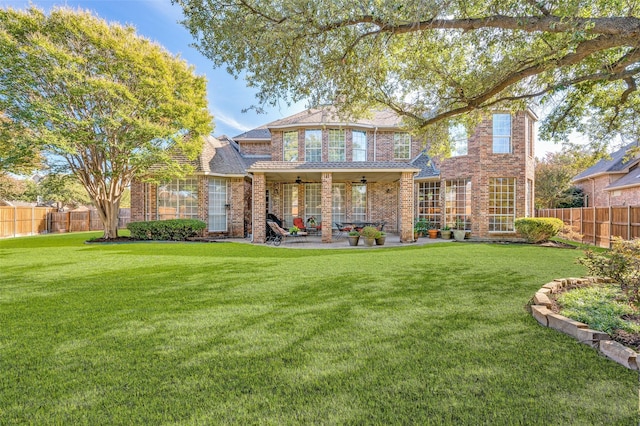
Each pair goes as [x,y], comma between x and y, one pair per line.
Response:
[218,205]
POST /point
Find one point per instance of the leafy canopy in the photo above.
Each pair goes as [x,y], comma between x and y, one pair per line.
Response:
[435,61]
[105,102]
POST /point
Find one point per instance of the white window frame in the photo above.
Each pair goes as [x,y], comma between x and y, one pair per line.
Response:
[502,204]
[218,203]
[290,146]
[337,145]
[457,200]
[359,202]
[459,140]
[502,128]
[401,146]
[178,199]
[359,145]
[313,145]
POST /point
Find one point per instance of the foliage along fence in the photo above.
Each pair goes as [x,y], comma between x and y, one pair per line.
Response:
[21,221]
[598,225]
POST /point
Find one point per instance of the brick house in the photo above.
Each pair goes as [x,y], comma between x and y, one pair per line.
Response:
[311,164]
[613,181]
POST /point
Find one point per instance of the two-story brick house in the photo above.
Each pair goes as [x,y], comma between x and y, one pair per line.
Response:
[312,164]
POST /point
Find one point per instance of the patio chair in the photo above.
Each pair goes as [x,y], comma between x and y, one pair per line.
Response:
[281,234]
[342,229]
[297,221]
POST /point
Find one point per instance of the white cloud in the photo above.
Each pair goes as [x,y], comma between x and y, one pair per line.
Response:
[230,121]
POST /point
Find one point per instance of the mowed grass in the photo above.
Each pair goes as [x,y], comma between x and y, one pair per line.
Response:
[226,333]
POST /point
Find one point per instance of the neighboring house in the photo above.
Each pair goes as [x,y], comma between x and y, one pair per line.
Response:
[613,181]
[312,164]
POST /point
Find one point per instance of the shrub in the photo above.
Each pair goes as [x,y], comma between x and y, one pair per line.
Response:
[538,229]
[166,230]
[621,263]
[370,232]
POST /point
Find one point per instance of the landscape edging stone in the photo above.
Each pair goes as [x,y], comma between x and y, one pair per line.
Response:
[600,340]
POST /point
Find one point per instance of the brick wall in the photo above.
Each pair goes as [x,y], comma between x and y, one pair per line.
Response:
[255,148]
[481,165]
[598,197]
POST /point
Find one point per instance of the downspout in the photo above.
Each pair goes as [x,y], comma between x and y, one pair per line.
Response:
[375,141]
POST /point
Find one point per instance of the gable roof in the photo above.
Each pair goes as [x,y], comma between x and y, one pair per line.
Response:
[325,116]
[226,158]
[629,180]
[381,118]
[426,165]
[616,164]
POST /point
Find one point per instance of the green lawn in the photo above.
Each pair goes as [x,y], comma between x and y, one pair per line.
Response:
[170,333]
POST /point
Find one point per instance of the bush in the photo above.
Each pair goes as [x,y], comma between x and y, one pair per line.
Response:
[538,229]
[370,232]
[621,263]
[166,230]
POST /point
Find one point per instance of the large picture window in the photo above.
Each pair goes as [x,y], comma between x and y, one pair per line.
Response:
[290,146]
[429,202]
[313,202]
[502,133]
[359,203]
[338,191]
[178,199]
[359,143]
[401,146]
[502,204]
[337,145]
[313,145]
[290,200]
[218,205]
[458,203]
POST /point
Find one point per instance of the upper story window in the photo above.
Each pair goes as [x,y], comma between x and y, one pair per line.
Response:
[313,145]
[337,145]
[502,133]
[290,146]
[401,146]
[529,136]
[359,143]
[459,140]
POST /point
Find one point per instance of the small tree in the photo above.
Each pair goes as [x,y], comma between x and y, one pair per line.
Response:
[106,104]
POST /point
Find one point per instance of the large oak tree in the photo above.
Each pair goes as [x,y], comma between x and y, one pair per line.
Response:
[105,102]
[435,61]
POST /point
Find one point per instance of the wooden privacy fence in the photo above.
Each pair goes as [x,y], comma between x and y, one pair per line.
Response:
[20,221]
[598,225]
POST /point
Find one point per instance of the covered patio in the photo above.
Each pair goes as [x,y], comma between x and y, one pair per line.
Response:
[388,190]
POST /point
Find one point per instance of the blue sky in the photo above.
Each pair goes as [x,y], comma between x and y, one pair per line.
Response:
[158,20]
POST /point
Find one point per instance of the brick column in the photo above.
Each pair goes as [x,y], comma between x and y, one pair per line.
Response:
[259,208]
[406,207]
[327,206]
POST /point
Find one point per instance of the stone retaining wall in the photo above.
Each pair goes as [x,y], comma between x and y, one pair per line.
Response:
[540,309]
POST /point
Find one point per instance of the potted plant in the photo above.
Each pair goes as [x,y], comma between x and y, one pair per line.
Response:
[432,230]
[369,235]
[459,232]
[419,227]
[445,232]
[353,237]
[381,238]
[294,230]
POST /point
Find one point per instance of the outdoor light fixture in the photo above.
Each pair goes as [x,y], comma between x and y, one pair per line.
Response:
[363,180]
[298,181]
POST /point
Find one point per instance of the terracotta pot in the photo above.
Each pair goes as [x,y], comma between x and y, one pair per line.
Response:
[433,233]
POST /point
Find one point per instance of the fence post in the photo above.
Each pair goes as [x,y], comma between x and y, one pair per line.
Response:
[628,222]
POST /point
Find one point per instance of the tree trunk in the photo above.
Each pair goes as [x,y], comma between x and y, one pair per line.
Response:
[108,212]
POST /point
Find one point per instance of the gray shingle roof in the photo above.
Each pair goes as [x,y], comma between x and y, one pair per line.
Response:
[615,164]
[384,118]
[259,133]
[226,159]
[630,179]
[428,168]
